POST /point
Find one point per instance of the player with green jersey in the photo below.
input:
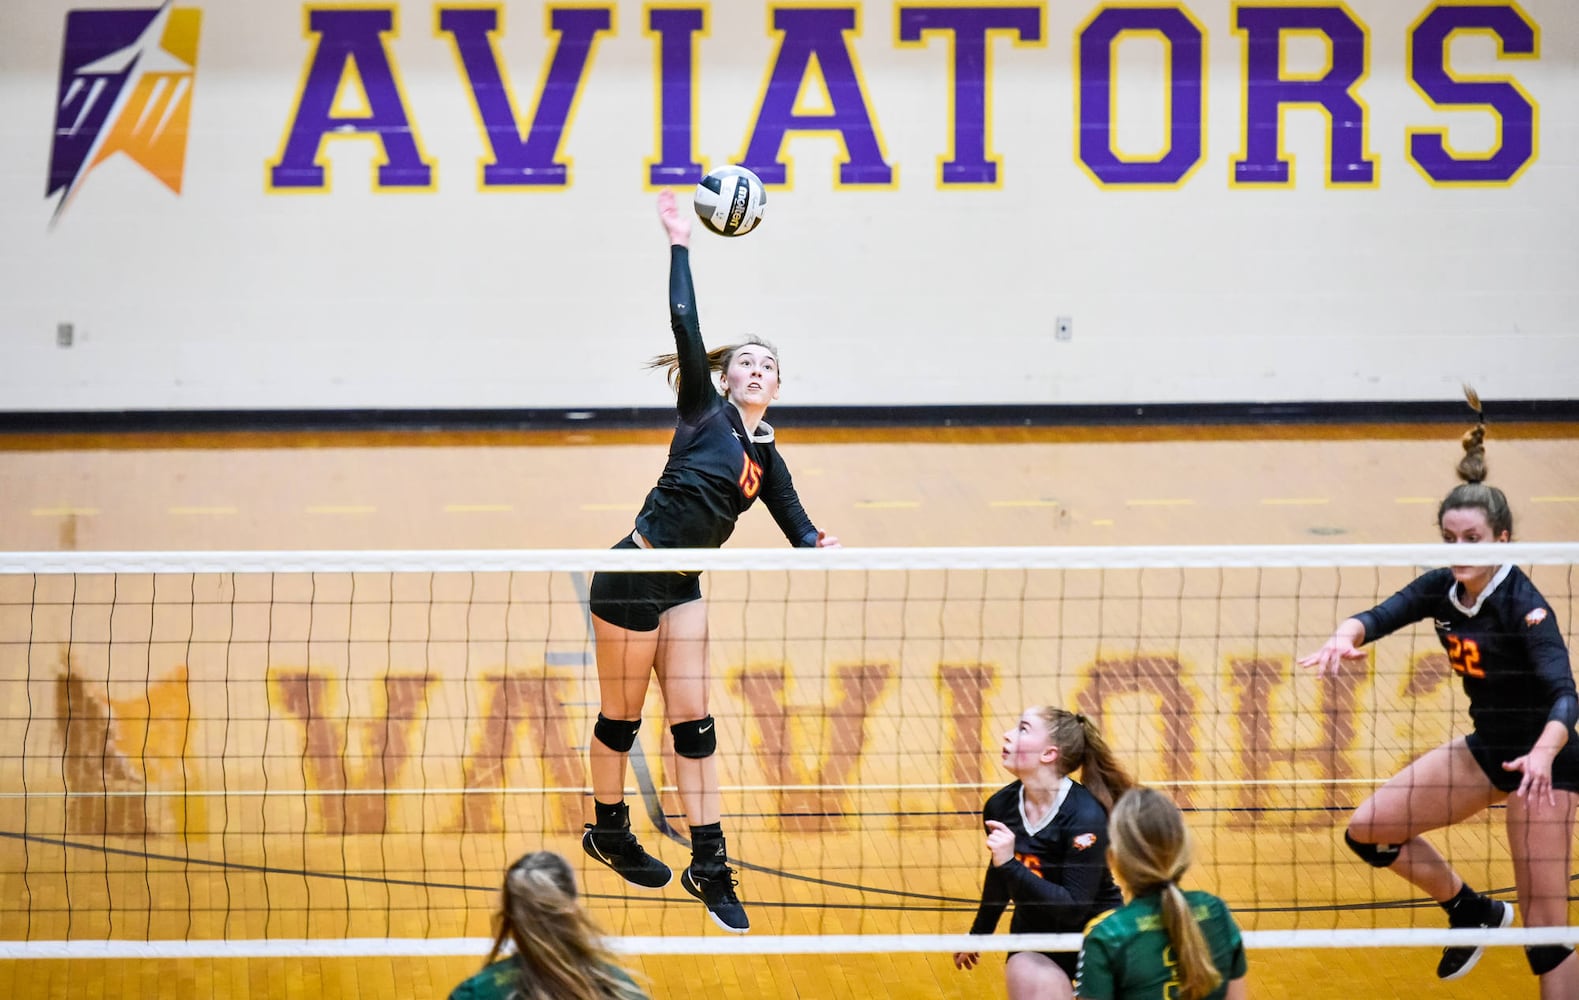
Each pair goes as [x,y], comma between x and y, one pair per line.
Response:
[1165,943]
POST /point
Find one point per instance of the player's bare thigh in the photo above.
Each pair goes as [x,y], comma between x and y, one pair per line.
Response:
[1442,787]
[682,660]
[1030,975]
[625,666]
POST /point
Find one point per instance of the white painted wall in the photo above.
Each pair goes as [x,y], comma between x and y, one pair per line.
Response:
[229,295]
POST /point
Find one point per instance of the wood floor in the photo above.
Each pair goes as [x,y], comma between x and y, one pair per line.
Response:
[319,757]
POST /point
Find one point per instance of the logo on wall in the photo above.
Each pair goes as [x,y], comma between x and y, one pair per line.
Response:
[125,87]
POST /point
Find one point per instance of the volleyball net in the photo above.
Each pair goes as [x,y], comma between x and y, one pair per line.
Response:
[251,753]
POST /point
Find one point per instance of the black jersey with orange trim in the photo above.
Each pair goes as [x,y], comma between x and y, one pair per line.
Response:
[1058,878]
[716,470]
[1506,647]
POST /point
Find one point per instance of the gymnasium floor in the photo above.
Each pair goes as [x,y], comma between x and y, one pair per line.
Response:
[960,486]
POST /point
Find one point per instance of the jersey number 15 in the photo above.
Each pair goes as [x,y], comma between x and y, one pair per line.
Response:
[750,478]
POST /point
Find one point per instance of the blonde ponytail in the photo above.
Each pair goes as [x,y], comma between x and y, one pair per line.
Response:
[1150,853]
[559,952]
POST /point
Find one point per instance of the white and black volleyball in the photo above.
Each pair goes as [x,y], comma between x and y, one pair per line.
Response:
[730,201]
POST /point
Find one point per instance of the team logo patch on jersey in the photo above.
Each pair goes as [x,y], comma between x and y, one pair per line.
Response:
[1535,617]
[125,87]
[1084,841]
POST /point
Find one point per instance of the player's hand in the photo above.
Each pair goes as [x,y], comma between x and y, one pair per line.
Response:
[827,541]
[675,222]
[1331,655]
[966,959]
[1000,841]
[1536,785]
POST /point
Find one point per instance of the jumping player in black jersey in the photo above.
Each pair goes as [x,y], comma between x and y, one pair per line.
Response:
[721,460]
[1165,943]
[1502,638]
[1047,840]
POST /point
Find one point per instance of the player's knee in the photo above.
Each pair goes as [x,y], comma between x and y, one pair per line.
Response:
[618,735]
[696,739]
[1375,855]
[1543,958]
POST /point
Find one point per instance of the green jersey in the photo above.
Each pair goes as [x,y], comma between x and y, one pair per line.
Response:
[1126,956]
[498,982]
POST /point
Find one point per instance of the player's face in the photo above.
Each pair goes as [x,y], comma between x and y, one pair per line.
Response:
[752,378]
[1027,745]
[1468,525]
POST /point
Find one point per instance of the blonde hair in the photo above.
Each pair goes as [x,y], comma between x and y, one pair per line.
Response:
[1082,748]
[1473,493]
[1150,852]
[559,952]
[718,359]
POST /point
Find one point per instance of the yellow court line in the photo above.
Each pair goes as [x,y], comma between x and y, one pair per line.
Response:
[1415,500]
[886,504]
[477,508]
[1554,499]
[611,506]
[342,510]
[1294,501]
[64,511]
[1162,502]
[1022,503]
[1106,522]
[202,510]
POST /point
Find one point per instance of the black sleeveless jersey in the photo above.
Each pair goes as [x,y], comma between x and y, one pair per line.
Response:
[1507,648]
[1058,878]
[715,469]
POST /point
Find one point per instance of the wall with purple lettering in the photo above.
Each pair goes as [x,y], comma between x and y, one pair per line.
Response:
[257,204]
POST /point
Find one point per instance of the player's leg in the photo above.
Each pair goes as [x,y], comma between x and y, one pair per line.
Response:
[683,672]
[1030,975]
[685,675]
[1539,835]
[624,665]
[625,657]
[1443,787]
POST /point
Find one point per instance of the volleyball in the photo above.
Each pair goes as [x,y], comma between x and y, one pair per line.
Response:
[730,201]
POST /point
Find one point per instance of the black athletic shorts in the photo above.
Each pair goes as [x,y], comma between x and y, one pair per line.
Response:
[635,600]
[1490,757]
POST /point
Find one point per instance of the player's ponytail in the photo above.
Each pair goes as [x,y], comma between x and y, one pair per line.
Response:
[559,952]
[1473,493]
[1082,748]
[717,359]
[1472,467]
[1150,852]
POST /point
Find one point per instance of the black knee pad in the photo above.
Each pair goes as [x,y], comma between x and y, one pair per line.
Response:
[1543,958]
[696,739]
[1375,855]
[616,734]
